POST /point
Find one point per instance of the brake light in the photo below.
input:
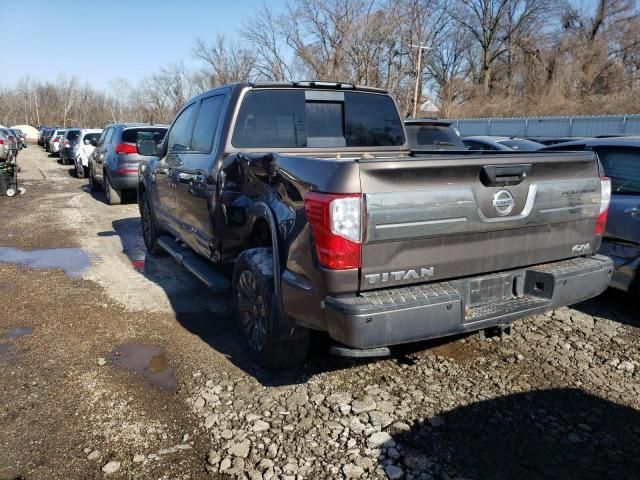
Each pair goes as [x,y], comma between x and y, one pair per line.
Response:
[1,141]
[125,149]
[66,142]
[56,140]
[605,200]
[336,225]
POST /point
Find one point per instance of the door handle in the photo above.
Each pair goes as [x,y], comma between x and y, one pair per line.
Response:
[632,211]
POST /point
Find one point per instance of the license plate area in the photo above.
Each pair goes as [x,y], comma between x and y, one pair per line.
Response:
[495,288]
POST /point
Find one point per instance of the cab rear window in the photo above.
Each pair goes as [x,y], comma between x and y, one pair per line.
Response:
[310,118]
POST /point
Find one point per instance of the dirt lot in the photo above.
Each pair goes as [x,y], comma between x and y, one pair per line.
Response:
[121,365]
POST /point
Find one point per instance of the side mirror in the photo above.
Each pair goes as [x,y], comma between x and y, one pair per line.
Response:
[94,142]
[147,147]
[87,142]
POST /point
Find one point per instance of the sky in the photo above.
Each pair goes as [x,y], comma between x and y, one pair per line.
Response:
[99,41]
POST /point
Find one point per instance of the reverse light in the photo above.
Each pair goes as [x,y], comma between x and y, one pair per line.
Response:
[336,224]
[125,149]
[605,201]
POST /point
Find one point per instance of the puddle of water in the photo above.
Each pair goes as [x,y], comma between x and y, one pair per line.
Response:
[73,261]
[17,332]
[148,361]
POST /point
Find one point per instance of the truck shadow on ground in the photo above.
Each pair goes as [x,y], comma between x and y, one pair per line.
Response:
[210,315]
[556,433]
[614,305]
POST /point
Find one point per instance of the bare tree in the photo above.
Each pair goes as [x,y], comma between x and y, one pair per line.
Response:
[264,35]
[224,61]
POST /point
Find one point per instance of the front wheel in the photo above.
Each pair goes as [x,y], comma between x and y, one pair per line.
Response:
[149,228]
[257,316]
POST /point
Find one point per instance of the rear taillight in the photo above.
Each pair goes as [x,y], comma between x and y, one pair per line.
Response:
[1,141]
[605,200]
[66,142]
[125,149]
[56,140]
[336,224]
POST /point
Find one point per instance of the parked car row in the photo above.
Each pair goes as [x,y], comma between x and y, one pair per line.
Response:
[12,140]
[107,157]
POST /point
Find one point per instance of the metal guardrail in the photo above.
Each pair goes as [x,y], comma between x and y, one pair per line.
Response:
[569,126]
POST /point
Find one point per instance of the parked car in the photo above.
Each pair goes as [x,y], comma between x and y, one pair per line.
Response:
[47,139]
[113,166]
[22,137]
[41,134]
[620,159]
[67,145]
[311,194]
[479,142]
[430,134]
[7,149]
[56,141]
[15,142]
[83,150]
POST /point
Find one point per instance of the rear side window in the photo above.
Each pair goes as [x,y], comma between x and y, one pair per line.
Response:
[434,136]
[91,136]
[623,167]
[471,145]
[73,135]
[109,136]
[132,135]
[206,124]
[299,118]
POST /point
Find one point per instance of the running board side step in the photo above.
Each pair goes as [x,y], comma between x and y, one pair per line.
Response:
[195,264]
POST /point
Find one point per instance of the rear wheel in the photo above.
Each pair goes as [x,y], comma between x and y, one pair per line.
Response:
[80,173]
[113,195]
[149,228]
[257,316]
[93,184]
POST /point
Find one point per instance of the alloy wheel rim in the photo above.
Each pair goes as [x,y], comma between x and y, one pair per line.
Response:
[252,311]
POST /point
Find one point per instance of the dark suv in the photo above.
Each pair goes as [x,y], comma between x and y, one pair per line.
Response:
[113,165]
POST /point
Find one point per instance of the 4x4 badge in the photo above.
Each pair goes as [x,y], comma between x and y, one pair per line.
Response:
[503,202]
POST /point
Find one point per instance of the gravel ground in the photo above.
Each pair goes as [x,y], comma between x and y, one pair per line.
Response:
[134,371]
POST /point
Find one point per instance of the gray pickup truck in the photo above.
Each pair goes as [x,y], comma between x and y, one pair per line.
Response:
[310,195]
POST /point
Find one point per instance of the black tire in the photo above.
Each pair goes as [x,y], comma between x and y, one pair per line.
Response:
[150,232]
[94,186]
[257,316]
[112,195]
[80,170]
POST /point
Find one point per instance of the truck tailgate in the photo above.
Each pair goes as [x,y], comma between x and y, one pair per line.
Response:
[454,216]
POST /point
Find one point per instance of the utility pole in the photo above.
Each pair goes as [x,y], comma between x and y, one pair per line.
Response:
[420,48]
